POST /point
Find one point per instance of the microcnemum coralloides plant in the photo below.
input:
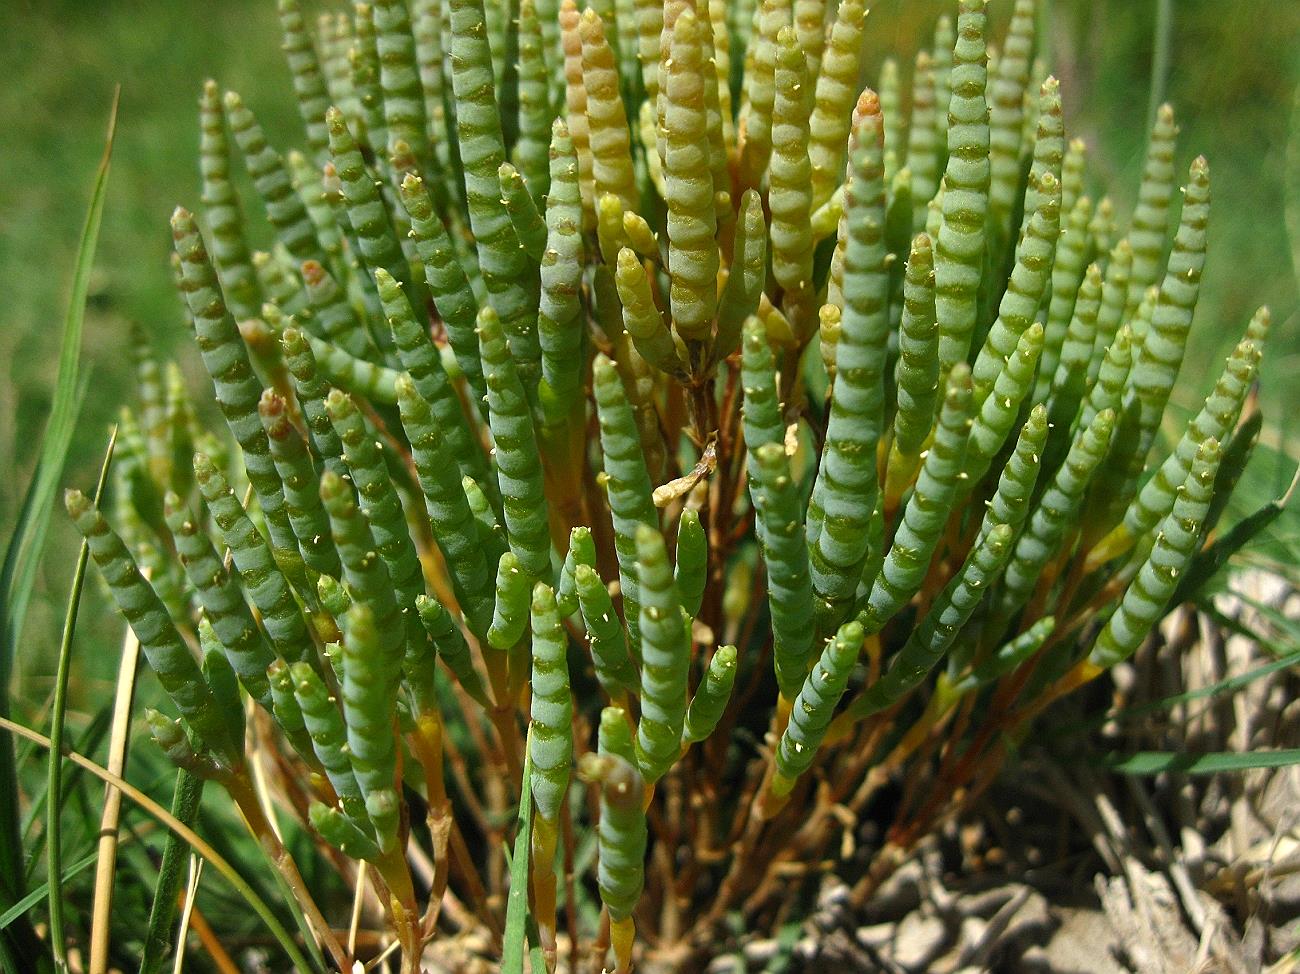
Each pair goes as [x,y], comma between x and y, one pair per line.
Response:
[737,438]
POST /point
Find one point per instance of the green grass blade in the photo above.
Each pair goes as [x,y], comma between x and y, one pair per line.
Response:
[18,575]
[1292,191]
[218,862]
[1215,762]
[54,775]
[1206,563]
[39,893]
[516,936]
[1287,627]
[87,743]
[171,873]
[1227,685]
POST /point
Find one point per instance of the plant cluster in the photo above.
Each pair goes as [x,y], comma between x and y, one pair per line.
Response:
[739,440]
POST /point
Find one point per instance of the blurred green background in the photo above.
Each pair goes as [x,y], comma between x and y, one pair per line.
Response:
[1232,78]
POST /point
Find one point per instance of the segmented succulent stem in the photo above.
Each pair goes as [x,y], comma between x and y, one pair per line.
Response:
[609,649]
[399,79]
[844,492]
[1215,420]
[1010,504]
[271,179]
[935,634]
[308,81]
[222,210]
[366,573]
[1006,95]
[665,658]
[236,387]
[1175,541]
[627,486]
[916,376]
[995,417]
[312,388]
[1049,151]
[642,319]
[364,59]
[621,835]
[927,510]
[775,495]
[582,551]
[369,709]
[1068,272]
[223,603]
[332,317]
[451,646]
[746,277]
[510,612]
[1114,295]
[891,107]
[324,723]
[611,150]
[367,214]
[1024,290]
[550,739]
[454,530]
[790,172]
[452,294]
[959,248]
[923,139]
[755,132]
[836,88]
[510,279]
[711,697]
[688,184]
[519,471]
[1151,216]
[1055,512]
[690,566]
[162,645]
[534,111]
[266,586]
[379,499]
[559,311]
[812,711]
[423,364]
[1075,350]
[297,472]
[1161,356]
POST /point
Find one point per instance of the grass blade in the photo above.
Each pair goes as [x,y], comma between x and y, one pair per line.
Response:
[157,938]
[1227,685]
[516,936]
[192,838]
[1291,209]
[1215,762]
[38,894]
[18,575]
[1160,58]
[54,777]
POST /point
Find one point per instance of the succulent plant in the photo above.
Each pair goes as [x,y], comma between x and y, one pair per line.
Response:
[703,414]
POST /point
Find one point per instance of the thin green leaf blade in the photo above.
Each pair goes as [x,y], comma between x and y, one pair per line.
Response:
[516,935]
[40,892]
[54,776]
[1214,762]
[18,574]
